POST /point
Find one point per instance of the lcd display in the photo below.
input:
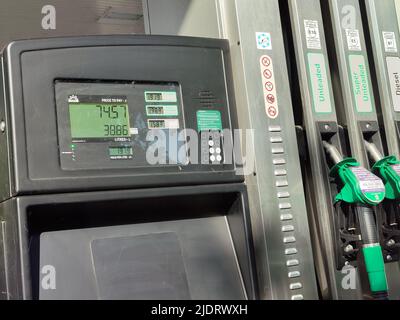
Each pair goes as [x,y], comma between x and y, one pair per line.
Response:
[101,118]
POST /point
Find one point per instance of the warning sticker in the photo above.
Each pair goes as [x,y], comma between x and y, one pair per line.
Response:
[360,80]
[312,34]
[263,41]
[396,168]
[269,90]
[353,39]
[209,120]
[389,41]
[393,67]
[319,83]
[371,186]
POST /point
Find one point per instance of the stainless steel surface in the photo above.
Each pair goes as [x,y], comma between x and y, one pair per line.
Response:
[333,152]
[240,20]
[320,203]
[345,17]
[205,254]
[382,18]
[373,151]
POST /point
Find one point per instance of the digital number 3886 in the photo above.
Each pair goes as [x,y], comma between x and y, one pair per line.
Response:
[111,130]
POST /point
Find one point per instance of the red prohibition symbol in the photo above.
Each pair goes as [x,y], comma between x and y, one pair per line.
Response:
[265,61]
[267,73]
[270,98]
[269,86]
[272,112]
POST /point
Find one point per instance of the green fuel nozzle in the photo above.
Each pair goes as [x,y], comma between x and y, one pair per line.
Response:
[360,186]
[388,169]
[362,189]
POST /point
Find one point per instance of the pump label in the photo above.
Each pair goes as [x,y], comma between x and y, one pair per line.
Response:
[396,168]
[389,40]
[208,120]
[371,186]
[393,67]
[353,39]
[312,34]
[360,81]
[319,83]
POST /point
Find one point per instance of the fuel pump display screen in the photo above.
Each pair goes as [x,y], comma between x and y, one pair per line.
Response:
[105,125]
[99,120]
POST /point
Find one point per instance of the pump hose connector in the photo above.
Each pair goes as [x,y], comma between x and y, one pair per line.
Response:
[332,152]
[373,151]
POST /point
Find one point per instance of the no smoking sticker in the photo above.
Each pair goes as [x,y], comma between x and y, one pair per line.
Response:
[269,88]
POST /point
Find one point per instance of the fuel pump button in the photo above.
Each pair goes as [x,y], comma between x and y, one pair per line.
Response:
[285,205]
[286,217]
[289,239]
[294,274]
[279,161]
[292,263]
[282,183]
[298,297]
[278,150]
[276,139]
[290,251]
[275,129]
[284,194]
[287,228]
[296,286]
[280,172]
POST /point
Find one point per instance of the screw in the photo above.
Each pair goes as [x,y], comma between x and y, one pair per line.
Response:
[368,125]
[327,127]
[2,126]
[389,257]
[391,243]
[349,248]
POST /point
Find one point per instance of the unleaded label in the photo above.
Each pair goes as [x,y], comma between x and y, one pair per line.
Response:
[319,83]
[393,67]
[371,186]
[360,82]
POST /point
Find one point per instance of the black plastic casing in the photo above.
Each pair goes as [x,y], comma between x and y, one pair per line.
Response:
[31,164]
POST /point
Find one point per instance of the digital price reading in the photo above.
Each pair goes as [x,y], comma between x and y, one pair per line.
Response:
[99,120]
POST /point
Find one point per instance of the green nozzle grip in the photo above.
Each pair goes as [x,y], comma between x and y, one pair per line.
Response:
[375,268]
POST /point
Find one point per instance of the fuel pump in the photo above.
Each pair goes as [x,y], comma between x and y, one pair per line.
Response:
[383,38]
[388,168]
[362,190]
[348,193]
[357,113]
